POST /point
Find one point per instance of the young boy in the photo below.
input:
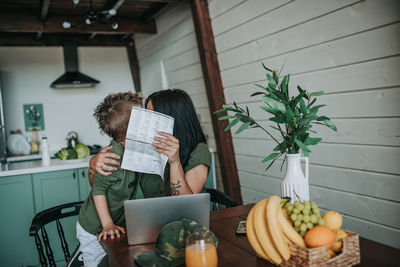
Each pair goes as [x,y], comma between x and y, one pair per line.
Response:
[102,213]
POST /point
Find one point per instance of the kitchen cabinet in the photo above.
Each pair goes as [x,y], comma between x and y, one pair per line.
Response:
[17,210]
[56,188]
[21,197]
[84,186]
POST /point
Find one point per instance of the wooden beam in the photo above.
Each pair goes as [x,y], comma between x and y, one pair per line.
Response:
[115,6]
[16,22]
[92,36]
[29,39]
[39,35]
[134,65]
[44,10]
[214,89]
[124,37]
[153,12]
[165,1]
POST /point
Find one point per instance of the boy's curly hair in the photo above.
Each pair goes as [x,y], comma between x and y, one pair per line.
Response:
[113,113]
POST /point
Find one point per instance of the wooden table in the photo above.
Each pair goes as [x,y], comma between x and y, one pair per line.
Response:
[235,250]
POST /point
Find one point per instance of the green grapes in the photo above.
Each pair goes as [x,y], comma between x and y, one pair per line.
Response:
[304,215]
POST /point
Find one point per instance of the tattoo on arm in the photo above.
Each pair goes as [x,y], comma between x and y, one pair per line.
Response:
[174,188]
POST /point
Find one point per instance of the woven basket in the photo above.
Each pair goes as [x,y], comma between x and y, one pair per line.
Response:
[317,257]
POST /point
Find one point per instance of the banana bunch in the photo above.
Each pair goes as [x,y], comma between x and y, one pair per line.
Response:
[269,231]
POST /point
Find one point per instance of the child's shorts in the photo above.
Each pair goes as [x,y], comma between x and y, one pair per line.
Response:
[92,251]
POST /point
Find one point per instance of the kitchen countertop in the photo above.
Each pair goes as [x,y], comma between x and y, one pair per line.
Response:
[27,167]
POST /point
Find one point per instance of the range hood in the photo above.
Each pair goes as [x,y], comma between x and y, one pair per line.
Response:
[72,78]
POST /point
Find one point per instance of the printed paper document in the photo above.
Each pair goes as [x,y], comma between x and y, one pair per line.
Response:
[140,155]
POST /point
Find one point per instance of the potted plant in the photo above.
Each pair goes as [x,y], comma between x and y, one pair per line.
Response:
[294,117]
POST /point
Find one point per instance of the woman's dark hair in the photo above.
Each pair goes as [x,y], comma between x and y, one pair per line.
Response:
[177,104]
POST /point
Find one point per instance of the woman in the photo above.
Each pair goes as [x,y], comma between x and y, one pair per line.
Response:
[188,155]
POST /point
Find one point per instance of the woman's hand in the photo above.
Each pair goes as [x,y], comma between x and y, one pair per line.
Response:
[98,163]
[167,145]
[110,230]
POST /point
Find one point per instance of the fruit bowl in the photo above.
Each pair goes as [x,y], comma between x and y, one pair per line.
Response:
[313,257]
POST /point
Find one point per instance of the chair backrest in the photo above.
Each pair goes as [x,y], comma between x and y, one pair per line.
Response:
[218,197]
[46,216]
[211,181]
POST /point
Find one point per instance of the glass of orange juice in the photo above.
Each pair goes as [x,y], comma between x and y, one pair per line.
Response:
[200,250]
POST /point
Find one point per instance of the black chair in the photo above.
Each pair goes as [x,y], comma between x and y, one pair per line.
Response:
[217,197]
[50,215]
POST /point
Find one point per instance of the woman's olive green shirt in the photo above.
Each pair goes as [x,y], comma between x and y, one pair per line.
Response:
[120,186]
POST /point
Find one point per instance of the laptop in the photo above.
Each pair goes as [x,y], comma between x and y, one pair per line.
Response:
[145,217]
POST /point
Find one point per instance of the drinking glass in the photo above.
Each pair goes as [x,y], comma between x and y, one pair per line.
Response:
[200,250]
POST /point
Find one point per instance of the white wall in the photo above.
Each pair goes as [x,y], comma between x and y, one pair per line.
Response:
[175,47]
[28,72]
[348,48]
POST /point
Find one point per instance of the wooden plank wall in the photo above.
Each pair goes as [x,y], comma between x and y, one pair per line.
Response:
[351,50]
[175,47]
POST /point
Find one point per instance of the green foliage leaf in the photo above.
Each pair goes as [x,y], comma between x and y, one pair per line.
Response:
[257,93]
[303,107]
[317,93]
[285,85]
[272,82]
[279,119]
[221,110]
[296,100]
[243,127]
[233,123]
[289,117]
[273,111]
[312,141]
[221,99]
[315,109]
[266,68]
[322,118]
[270,156]
[227,117]
[259,85]
[330,125]
[305,95]
[273,103]
[279,129]
[312,102]
[281,147]
[307,119]
[302,146]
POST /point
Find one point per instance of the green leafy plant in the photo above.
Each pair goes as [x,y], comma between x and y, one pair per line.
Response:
[293,115]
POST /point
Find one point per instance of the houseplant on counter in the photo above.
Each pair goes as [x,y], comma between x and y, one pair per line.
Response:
[294,117]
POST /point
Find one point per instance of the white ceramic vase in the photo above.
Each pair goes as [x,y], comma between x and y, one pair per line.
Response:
[294,184]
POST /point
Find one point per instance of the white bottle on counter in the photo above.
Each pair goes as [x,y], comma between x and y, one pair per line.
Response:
[44,149]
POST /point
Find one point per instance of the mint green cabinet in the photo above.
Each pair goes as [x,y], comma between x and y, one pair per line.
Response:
[56,188]
[23,196]
[84,186]
[17,248]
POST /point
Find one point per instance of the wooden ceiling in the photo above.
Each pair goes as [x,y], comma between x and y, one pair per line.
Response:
[40,22]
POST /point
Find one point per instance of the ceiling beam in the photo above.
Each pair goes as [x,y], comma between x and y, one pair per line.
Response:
[10,22]
[215,92]
[44,9]
[165,1]
[29,39]
[153,12]
[134,65]
[115,6]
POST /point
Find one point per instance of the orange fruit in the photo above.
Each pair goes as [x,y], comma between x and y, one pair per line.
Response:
[333,219]
[340,234]
[319,236]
